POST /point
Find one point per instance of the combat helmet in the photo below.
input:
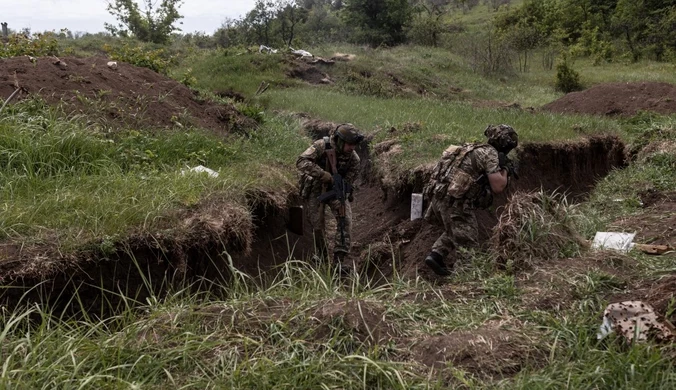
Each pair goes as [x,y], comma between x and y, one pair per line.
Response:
[347,133]
[502,137]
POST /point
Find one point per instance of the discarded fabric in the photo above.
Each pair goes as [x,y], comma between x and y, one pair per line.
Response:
[302,53]
[265,49]
[201,169]
[618,241]
[635,321]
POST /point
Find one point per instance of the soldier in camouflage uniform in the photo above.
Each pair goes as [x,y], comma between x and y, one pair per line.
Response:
[316,179]
[463,180]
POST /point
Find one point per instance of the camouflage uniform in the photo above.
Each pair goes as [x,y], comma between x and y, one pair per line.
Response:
[312,164]
[459,184]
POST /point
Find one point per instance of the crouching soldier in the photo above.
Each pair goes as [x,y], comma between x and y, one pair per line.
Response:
[328,169]
[463,180]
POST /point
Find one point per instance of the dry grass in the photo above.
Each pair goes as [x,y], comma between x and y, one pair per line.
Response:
[535,226]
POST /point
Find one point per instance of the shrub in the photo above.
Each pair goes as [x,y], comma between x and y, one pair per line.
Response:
[567,79]
[155,60]
[38,45]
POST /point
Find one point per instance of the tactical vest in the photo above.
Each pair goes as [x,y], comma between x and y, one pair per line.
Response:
[448,179]
[306,183]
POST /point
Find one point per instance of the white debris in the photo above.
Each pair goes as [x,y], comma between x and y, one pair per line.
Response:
[112,64]
[265,49]
[416,206]
[635,321]
[201,169]
[301,53]
[609,240]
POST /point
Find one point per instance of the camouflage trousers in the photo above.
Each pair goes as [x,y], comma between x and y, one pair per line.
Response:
[323,229]
[460,226]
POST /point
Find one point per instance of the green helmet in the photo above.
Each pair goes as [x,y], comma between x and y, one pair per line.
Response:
[348,134]
[502,137]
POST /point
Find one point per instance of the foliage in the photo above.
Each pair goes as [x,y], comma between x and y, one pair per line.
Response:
[644,27]
[379,22]
[36,45]
[150,25]
[156,60]
[187,78]
[428,23]
[567,78]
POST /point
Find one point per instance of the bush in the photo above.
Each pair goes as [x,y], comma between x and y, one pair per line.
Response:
[567,79]
[22,45]
[155,60]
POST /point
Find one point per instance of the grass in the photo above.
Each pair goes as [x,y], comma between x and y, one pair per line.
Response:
[94,184]
[270,337]
[59,176]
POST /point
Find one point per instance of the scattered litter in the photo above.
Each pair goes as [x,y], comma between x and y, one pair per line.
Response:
[32,59]
[265,49]
[621,200]
[609,240]
[653,249]
[635,320]
[112,64]
[416,206]
[201,169]
[301,53]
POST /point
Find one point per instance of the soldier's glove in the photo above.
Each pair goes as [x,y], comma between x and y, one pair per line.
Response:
[509,165]
[327,178]
[350,197]
[503,160]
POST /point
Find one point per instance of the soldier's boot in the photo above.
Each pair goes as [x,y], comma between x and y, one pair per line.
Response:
[343,270]
[321,253]
[436,262]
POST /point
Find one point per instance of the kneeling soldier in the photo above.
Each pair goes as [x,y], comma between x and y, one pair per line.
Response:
[463,180]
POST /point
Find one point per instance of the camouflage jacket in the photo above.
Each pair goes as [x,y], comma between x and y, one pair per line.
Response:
[462,173]
[313,162]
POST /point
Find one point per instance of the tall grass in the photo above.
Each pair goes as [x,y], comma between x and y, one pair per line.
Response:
[60,175]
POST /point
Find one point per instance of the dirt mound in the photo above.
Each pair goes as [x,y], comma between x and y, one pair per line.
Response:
[363,320]
[308,73]
[487,352]
[121,95]
[657,225]
[618,99]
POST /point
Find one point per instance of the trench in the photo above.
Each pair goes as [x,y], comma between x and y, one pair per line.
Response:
[104,284]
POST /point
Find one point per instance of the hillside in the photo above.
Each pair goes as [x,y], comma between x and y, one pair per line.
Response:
[146,235]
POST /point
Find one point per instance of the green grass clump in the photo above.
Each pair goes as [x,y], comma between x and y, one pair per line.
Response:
[61,175]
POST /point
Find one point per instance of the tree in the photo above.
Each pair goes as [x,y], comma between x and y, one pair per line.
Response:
[379,21]
[289,15]
[150,25]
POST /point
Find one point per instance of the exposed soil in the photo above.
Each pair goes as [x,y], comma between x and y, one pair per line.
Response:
[366,321]
[488,352]
[618,99]
[123,95]
[381,223]
[308,73]
[657,224]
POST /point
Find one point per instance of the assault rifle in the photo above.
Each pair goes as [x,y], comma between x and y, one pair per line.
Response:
[341,191]
[485,199]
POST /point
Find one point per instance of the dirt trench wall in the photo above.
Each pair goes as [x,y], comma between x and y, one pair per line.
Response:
[572,168]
